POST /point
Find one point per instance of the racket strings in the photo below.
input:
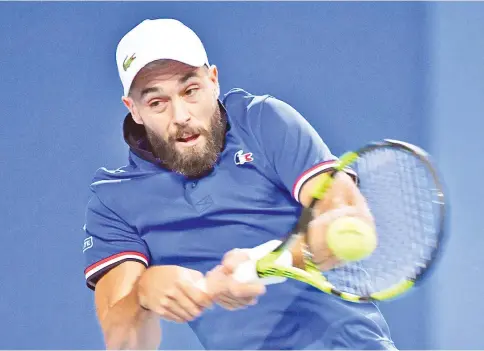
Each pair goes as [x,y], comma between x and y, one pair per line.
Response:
[399,189]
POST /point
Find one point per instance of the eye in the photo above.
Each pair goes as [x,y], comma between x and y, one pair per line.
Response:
[191,92]
[155,103]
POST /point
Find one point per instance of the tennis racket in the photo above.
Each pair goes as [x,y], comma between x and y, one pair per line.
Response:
[406,198]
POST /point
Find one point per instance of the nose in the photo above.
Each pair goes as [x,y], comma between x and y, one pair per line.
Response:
[180,112]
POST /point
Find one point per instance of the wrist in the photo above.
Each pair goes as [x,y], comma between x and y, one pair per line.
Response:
[138,294]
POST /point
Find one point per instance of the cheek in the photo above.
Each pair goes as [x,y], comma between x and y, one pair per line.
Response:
[156,124]
[206,112]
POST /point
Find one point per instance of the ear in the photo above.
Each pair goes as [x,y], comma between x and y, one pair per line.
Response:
[213,76]
[129,103]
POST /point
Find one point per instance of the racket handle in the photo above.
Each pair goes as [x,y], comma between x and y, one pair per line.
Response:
[246,272]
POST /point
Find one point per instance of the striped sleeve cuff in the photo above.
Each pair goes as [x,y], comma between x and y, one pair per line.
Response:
[313,172]
[95,271]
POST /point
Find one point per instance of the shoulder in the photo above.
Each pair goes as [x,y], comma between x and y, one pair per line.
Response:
[111,186]
[252,111]
[105,178]
[264,114]
[242,107]
[240,100]
[105,187]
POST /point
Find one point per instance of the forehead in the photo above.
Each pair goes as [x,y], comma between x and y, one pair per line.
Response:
[165,71]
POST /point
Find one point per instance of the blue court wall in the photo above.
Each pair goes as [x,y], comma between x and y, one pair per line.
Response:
[456,108]
[357,71]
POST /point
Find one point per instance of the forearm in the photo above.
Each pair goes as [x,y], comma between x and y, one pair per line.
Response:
[127,325]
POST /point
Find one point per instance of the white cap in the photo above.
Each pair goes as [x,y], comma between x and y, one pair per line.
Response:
[157,39]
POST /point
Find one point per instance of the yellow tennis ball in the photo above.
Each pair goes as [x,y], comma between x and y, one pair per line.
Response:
[351,239]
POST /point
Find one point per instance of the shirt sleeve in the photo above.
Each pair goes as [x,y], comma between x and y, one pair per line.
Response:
[292,145]
[109,241]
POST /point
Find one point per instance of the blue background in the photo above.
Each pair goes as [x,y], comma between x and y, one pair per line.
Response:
[357,71]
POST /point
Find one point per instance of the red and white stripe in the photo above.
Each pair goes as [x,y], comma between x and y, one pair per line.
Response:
[96,267]
[311,172]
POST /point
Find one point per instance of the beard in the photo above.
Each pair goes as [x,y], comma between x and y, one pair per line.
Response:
[195,161]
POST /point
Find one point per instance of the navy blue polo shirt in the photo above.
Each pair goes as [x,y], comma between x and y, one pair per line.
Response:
[146,213]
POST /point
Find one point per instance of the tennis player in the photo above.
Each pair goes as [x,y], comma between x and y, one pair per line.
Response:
[211,182]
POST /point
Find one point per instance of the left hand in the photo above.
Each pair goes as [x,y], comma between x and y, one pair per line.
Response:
[227,292]
[316,238]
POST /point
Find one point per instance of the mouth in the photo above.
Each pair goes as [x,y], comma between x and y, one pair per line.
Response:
[188,139]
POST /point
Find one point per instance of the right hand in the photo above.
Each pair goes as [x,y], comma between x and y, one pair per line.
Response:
[229,293]
[170,292]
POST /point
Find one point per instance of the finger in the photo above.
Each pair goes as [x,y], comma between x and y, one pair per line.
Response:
[246,290]
[329,263]
[177,303]
[231,307]
[236,303]
[230,299]
[167,314]
[216,281]
[231,304]
[232,259]
[325,260]
[194,297]
[172,306]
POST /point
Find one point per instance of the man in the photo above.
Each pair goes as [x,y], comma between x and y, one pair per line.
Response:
[205,177]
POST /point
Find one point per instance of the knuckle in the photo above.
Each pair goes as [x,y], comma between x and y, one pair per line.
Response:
[227,306]
[189,317]
[196,313]
[231,254]
[261,289]
[237,293]
[165,302]
[191,308]
[170,293]
[163,313]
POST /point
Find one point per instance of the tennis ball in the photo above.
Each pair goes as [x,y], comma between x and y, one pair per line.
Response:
[351,239]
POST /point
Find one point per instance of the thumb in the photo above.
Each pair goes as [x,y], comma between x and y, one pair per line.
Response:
[216,280]
[189,275]
[232,259]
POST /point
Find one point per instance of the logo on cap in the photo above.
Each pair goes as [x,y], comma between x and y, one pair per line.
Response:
[128,61]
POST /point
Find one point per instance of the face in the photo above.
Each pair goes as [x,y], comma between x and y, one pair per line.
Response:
[178,106]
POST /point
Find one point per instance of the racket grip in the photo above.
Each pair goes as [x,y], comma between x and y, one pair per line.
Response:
[246,272]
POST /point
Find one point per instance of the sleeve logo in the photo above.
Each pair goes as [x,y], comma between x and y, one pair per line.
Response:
[87,243]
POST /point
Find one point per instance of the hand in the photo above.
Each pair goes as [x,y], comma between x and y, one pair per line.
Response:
[170,292]
[227,292]
[316,238]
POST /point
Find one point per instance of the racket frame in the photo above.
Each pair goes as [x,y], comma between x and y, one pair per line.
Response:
[268,267]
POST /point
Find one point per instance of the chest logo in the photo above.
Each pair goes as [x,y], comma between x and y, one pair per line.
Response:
[240,157]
